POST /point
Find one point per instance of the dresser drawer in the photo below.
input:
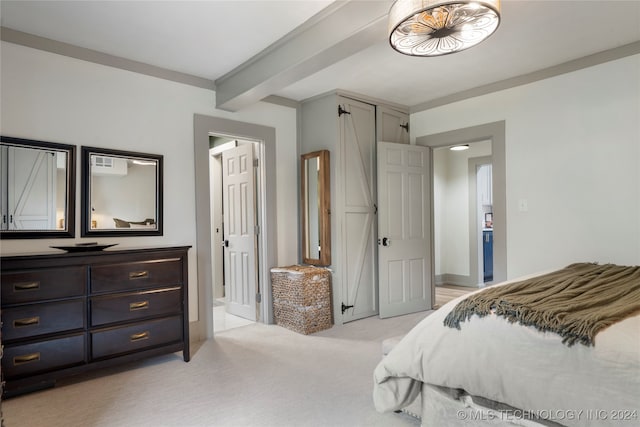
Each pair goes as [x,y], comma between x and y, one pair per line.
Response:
[116,308]
[37,285]
[43,356]
[44,318]
[135,275]
[127,339]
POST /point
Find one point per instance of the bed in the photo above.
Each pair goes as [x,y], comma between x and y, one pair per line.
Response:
[495,370]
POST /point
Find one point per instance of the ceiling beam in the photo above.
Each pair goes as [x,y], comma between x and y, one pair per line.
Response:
[339,31]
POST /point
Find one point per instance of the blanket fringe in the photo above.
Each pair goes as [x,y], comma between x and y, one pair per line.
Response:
[576,302]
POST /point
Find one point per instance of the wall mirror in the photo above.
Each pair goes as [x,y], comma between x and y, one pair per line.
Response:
[121,193]
[37,187]
[315,203]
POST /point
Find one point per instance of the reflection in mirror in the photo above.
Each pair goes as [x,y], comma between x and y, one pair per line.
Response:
[315,208]
[122,193]
[37,186]
[311,180]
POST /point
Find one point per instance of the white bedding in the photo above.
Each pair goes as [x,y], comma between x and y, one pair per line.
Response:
[519,366]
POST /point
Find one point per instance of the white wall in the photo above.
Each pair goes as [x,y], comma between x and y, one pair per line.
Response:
[59,99]
[573,152]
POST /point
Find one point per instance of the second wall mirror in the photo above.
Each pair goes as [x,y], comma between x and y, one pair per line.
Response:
[315,203]
[121,193]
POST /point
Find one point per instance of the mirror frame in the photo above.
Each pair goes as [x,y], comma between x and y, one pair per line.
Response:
[70,203]
[324,205]
[86,230]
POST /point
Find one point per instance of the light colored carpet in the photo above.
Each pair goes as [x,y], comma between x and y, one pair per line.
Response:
[223,320]
[256,375]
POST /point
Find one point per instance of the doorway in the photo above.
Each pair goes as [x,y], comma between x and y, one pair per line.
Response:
[495,133]
[264,137]
[461,197]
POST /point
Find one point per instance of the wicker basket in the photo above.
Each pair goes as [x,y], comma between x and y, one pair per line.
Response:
[302,298]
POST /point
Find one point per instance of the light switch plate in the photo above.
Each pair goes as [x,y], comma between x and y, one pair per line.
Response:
[523,205]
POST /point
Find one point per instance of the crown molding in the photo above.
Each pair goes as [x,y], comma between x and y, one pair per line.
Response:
[89,55]
[564,68]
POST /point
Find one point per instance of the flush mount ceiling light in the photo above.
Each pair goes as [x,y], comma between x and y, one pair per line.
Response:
[437,27]
[459,147]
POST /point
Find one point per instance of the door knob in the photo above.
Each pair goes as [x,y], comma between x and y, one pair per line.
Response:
[386,241]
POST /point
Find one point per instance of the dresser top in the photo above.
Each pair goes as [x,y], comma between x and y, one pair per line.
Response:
[57,253]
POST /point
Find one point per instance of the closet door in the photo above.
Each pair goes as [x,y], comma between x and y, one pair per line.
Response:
[31,183]
[392,125]
[357,210]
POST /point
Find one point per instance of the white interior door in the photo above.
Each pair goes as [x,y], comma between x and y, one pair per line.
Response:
[404,251]
[239,231]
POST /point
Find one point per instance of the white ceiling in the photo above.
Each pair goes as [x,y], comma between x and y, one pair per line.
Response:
[211,39]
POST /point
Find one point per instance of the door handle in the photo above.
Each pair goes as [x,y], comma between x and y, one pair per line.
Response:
[225,243]
[385,241]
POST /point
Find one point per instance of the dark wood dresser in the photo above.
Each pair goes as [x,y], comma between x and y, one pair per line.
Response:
[67,313]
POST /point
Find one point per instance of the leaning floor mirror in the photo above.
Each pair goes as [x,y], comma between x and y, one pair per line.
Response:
[315,203]
[121,193]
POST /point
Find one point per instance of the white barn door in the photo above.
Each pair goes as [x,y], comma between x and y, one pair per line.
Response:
[239,205]
[32,189]
[357,220]
[404,256]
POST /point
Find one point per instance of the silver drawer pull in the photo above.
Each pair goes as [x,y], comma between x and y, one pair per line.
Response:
[27,358]
[26,286]
[27,321]
[139,337]
[138,275]
[142,305]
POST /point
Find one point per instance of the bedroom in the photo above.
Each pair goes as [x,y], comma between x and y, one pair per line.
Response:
[576,133]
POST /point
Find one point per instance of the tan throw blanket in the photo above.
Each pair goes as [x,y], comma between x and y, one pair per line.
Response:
[576,302]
